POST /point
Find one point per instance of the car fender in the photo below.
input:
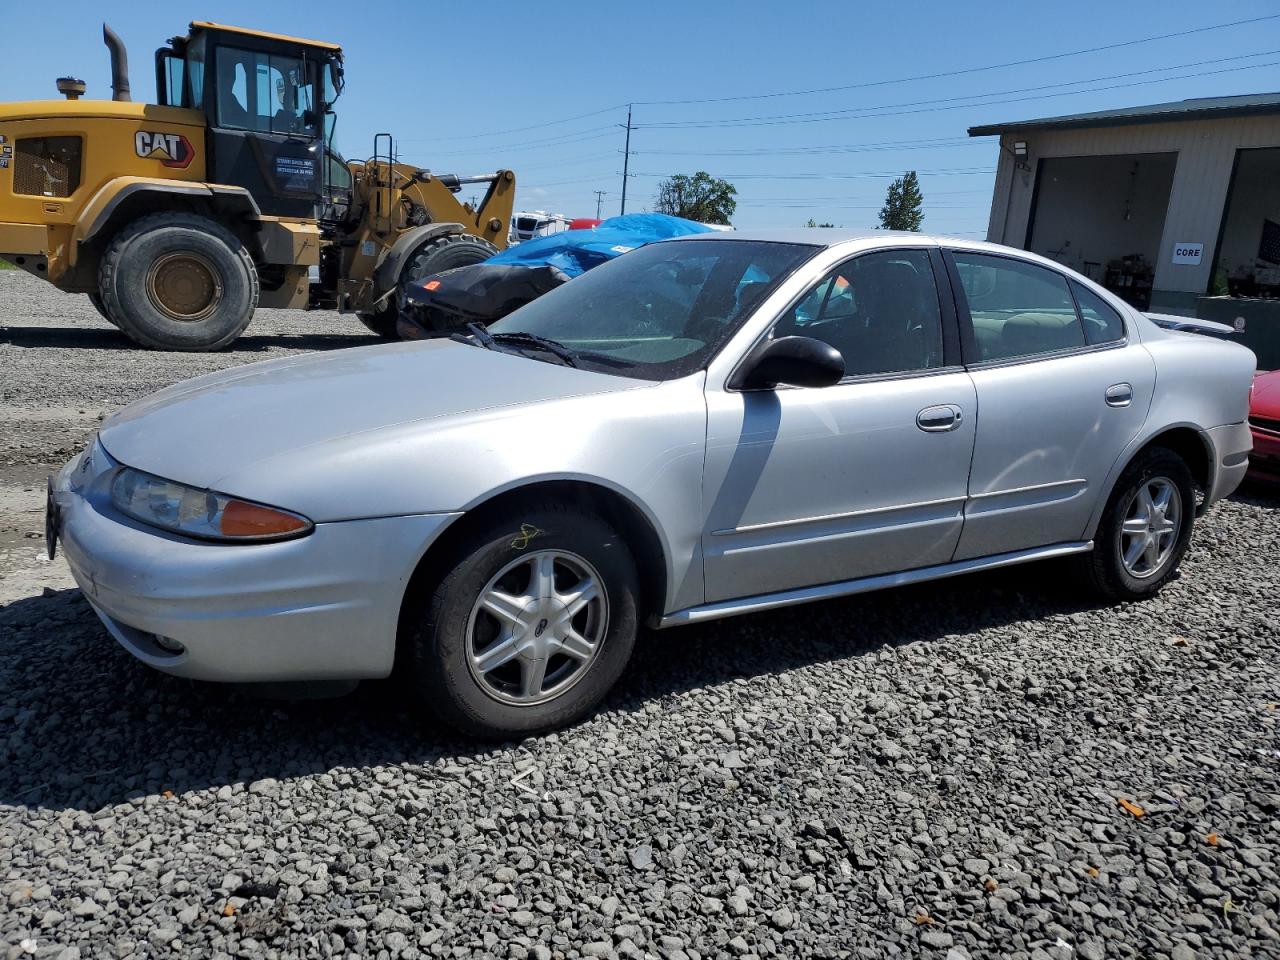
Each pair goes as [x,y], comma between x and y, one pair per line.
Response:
[645,443]
[675,572]
[1144,437]
[1201,383]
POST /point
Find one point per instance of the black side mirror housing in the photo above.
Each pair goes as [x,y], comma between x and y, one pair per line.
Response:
[794,361]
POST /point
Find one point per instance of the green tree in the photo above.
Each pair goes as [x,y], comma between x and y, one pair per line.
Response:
[902,205]
[701,197]
[814,223]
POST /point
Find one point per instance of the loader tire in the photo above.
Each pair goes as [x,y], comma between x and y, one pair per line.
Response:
[96,300]
[442,253]
[178,281]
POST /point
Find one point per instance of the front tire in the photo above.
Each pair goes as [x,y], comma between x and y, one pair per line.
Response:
[1145,528]
[178,281]
[531,627]
[96,300]
[435,256]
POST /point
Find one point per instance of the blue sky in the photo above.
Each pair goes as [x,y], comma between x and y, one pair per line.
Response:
[457,82]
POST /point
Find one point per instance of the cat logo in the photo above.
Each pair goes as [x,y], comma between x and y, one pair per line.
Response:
[171,149]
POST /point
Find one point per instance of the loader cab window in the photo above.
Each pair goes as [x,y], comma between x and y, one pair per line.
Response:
[195,70]
[266,93]
[172,69]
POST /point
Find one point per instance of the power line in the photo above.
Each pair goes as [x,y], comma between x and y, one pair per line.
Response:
[993,103]
[865,175]
[967,70]
[800,205]
[557,183]
[554,140]
[856,86]
[932,193]
[535,126]
[860,112]
[841,149]
[572,162]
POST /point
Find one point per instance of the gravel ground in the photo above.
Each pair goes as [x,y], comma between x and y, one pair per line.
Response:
[981,767]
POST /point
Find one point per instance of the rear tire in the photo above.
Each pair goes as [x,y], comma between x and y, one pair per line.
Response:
[1139,542]
[178,281]
[456,668]
[435,256]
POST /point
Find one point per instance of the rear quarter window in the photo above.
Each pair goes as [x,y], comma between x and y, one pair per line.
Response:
[1102,324]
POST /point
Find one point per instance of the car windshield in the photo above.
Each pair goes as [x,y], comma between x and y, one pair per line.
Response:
[661,311]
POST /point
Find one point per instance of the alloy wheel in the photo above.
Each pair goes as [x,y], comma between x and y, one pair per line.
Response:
[1152,522]
[537,627]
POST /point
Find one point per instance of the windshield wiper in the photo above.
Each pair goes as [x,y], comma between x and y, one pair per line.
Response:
[553,347]
[476,334]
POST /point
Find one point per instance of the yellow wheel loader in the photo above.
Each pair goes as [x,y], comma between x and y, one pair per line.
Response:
[178,219]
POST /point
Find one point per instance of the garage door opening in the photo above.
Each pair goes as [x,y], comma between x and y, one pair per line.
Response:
[1248,263]
[1103,216]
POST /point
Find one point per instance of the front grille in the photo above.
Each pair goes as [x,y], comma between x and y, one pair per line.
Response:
[47,166]
[1265,423]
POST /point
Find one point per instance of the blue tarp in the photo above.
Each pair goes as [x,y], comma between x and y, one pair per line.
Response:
[576,251]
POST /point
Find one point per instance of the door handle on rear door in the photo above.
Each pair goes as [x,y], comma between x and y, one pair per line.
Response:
[939,419]
[1119,395]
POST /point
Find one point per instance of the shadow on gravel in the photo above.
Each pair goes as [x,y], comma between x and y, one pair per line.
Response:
[1258,493]
[95,338]
[83,725]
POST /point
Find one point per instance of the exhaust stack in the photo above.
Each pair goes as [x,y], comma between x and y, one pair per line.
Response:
[119,64]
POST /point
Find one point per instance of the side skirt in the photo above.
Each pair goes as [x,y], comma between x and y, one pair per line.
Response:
[846,588]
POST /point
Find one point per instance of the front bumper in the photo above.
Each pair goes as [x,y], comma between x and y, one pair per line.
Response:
[1231,445]
[324,606]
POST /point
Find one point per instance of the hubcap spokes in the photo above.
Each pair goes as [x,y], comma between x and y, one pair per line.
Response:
[1151,526]
[536,627]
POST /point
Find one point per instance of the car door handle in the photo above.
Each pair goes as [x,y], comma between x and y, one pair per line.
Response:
[939,419]
[1119,395]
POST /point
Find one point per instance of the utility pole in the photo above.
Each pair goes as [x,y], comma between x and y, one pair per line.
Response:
[599,199]
[626,159]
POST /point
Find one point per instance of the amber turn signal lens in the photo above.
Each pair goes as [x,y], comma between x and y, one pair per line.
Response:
[240,519]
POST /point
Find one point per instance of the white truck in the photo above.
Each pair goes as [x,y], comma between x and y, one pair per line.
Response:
[528,224]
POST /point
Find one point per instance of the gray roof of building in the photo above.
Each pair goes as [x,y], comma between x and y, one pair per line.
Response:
[1202,108]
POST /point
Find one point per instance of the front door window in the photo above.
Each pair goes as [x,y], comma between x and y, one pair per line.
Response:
[265,93]
[880,310]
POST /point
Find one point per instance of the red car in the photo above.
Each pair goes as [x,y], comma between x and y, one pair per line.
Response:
[1264,421]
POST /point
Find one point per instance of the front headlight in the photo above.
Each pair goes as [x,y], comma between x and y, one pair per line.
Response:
[201,513]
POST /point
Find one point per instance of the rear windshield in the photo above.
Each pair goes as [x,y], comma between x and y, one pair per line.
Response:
[662,311]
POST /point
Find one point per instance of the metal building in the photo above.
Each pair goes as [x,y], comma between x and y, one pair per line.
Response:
[1174,206]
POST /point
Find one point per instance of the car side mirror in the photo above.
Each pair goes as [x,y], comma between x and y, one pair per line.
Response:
[794,361]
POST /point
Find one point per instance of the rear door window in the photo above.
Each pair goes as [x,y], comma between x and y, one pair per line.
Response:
[1017,309]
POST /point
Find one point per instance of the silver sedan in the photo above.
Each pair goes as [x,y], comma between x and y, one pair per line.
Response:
[704,427]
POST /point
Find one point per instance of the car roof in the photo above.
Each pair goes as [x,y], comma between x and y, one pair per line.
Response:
[836,236]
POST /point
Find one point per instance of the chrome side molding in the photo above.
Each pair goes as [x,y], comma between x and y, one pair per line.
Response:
[846,588]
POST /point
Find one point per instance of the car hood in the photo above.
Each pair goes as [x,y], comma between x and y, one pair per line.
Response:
[1266,395]
[204,430]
